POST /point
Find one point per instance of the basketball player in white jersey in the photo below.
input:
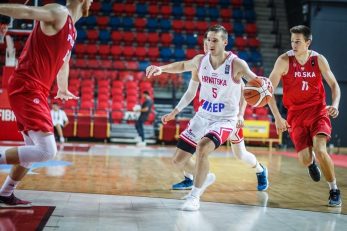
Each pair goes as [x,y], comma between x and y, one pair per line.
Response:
[219,73]
[237,144]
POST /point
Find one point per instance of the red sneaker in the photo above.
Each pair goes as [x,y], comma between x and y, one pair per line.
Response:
[13,202]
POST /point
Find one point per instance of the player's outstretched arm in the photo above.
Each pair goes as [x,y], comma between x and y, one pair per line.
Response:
[187,97]
[176,67]
[280,68]
[50,13]
[62,82]
[328,75]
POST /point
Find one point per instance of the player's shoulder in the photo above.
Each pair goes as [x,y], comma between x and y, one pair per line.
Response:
[284,57]
[56,8]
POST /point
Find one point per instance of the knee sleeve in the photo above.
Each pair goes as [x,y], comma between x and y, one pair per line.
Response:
[181,144]
[44,148]
[241,153]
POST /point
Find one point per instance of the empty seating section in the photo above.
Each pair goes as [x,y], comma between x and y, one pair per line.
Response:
[121,38]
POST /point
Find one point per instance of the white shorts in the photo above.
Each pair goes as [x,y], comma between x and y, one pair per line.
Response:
[198,127]
[236,137]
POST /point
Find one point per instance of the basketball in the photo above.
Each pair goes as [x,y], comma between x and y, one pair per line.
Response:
[258,92]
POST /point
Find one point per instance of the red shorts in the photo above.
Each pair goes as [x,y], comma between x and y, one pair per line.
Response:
[307,123]
[30,108]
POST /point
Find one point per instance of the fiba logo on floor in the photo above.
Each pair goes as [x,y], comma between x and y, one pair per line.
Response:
[7,115]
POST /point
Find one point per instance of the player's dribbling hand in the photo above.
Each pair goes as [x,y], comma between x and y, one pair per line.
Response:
[65,95]
[332,111]
[269,85]
[281,125]
[153,71]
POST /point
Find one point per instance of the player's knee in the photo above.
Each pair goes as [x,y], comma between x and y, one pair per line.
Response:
[49,151]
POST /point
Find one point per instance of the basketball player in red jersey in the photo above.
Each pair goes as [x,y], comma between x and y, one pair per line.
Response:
[302,72]
[45,57]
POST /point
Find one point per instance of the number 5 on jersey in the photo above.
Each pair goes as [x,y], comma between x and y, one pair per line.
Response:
[214,92]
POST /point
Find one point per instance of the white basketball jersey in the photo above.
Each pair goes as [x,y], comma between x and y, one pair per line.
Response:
[219,92]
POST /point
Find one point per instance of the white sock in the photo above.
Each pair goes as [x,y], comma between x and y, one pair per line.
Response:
[258,168]
[188,175]
[332,185]
[8,187]
[3,155]
[196,192]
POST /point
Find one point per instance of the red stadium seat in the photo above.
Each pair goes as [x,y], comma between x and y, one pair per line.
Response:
[101,127]
[102,21]
[70,129]
[118,8]
[189,12]
[166,10]
[178,25]
[117,36]
[128,51]
[153,52]
[141,38]
[104,50]
[130,8]
[251,29]
[153,38]
[140,23]
[226,14]
[117,116]
[153,9]
[116,50]
[166,38]
[84,126]
[128,37]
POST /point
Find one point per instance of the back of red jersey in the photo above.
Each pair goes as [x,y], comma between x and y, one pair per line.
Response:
[303,84]
[43,56]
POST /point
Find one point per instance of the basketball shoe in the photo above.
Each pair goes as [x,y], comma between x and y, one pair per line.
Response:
[183,185]
[314,171]
[335,198]
[263,182]
[12,201]
[192,203]
[210,179]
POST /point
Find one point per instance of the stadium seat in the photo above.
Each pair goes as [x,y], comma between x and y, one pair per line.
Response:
[117,116]
[141,9]
[84,126]
[101,127]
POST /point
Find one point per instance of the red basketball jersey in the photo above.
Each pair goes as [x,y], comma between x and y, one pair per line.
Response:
[303,84]
[42,58]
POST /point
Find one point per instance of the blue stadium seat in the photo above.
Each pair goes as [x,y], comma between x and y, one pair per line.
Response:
[177,11]
[237,14]
[231,41]
[104,36]
[128,23]
[141,9]
[244,55]
[192,40]
[213,13]
[179,54]
[152,24]
[115,22]
[91,21]
[106,8]
[81,35]
[256,57]
[143,65]
[179,39]
[201,12]
[165,53]
[165,24]
[250,15]
[239,28]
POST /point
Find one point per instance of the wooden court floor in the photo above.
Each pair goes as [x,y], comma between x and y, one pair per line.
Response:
[128,170]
